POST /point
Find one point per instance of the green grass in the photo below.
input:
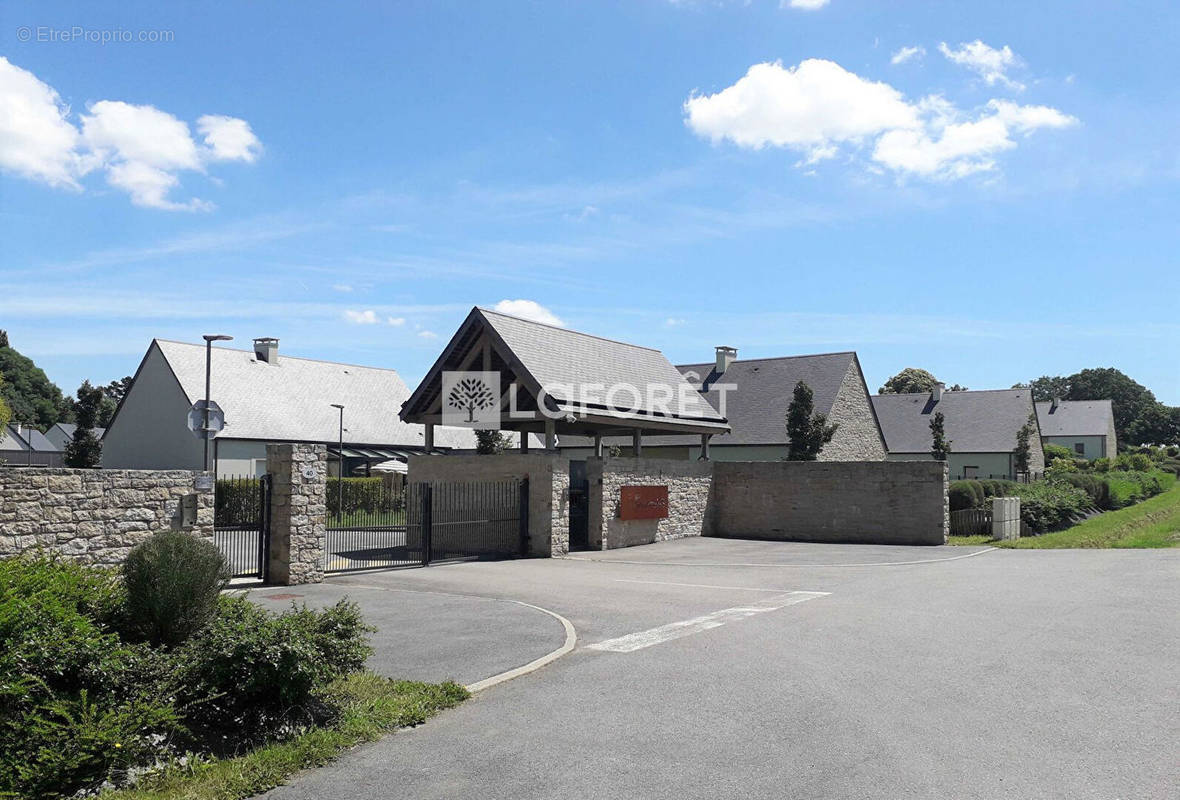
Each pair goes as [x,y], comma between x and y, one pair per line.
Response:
[372,706]
[367,519]
[973,541]
[1153,523]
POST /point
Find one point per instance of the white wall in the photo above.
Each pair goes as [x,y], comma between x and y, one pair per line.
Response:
[987,464]
[1095,446]
[240,457]
[151,428]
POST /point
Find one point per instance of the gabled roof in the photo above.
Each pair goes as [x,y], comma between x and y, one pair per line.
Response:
[291,400]
[68,429]
[561,362]
[1076,418]
[26,439]
[975,422]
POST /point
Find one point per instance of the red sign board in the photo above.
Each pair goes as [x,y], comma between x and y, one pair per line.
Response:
[643,502]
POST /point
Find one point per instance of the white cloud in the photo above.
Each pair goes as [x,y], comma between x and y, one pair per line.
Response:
[674,322]
[427,335]
[908,54]
[229,138]
[141,148]
[397,322]
[341,287]
[368,317]
[528,309]
[820,109]
[806,5]
[989,63]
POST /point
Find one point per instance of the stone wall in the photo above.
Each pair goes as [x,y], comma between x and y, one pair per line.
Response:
[97,516]
[858,437]
[689,491]
[877,502]
[548,476]
[298,512]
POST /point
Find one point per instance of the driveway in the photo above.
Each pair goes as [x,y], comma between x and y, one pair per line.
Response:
[714,668]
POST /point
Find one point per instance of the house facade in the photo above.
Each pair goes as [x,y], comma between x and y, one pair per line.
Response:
[266,399]
[62,433]
[1085,427]
[25,446]
[981,426]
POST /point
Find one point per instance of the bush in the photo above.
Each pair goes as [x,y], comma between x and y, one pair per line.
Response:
[961,495]
[249,672]
[1128,487]
[1101,464]
[77,705]
[1047,506]
[1053,452]
[173,581]
[1133,462]
[362,495]
[1096,488]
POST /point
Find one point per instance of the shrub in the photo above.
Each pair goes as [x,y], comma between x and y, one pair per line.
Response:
[77,705]
[961,495]
[1133,462]
[1053,452]
[235,499]
[1096,488]
[250,672]
[173,580]
[1046,505]
[367,495]
[1103,464]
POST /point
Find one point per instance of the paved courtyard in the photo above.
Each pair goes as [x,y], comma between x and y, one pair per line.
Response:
[710,668]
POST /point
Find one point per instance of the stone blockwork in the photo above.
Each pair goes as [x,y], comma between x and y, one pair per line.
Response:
[548,476]
[877,502]
[298,512]
[858,437]
[689,492]
[97,516]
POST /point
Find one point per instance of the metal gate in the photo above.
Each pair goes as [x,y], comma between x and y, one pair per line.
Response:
[434,522]
[241,523]
[366,528]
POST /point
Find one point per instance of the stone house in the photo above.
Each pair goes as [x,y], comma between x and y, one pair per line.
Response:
[266,399]
[754,395]
[981,426]
[1084,426]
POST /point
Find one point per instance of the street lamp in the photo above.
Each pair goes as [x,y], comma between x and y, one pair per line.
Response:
[340,465]
[209,338]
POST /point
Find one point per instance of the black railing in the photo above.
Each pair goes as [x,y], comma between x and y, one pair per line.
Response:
[241,514]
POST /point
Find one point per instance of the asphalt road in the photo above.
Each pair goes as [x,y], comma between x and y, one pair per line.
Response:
[810,671]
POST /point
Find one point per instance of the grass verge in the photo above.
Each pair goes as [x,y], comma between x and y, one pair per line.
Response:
[371,706]
[1155,522]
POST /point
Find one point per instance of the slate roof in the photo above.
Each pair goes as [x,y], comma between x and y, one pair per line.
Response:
[68,429]
[1076,418]
[27,439]
[556,356]
[976,422]
[291,399]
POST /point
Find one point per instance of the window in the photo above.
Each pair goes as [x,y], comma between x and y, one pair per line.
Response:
[970,472]
[1079,448]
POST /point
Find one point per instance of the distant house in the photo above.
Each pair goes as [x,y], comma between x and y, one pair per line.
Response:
[24,446]
[982,428]
[757,393]
[62,434]
[266,398]
[1084,426]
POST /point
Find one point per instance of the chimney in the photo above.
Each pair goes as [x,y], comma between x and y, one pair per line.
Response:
[936,392]
[725,357]
[266,350]
[1056,401]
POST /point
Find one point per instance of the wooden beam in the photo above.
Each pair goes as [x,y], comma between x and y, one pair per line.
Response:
[637,442]
[705,437]
[550,435]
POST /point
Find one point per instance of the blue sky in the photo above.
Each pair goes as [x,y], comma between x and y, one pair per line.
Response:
[986,190]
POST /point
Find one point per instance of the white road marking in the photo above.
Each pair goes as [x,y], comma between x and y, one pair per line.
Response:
[701,585]
[676,630]
[745,564]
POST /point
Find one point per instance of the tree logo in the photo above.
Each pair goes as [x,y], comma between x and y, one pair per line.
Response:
[471,399]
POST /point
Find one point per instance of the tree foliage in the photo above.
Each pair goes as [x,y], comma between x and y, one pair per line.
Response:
[492,442]
[29,394]
[910,380]
[5,411]
[1139,418]
[1023,450]
[85,450]
[940,446]
[807,431]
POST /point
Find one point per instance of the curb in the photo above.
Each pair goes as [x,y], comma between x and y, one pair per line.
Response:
[741,564]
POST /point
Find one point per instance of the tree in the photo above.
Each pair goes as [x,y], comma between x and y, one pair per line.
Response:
[807,431]
[958,388]
[1045,388]
[85,450]
[1023,450]
[31,397]
[3,338]
[1138,417]
[491,443]
[5,411]
[940,447]
[470,395]
[910,380]
[113,394]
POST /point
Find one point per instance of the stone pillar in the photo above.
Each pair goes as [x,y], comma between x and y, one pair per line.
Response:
[298,513]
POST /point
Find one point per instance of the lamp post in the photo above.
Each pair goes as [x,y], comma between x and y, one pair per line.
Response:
[340,469]
[209,338]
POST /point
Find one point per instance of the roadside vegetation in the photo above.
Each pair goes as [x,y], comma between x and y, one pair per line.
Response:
[1081,503]
[150,678]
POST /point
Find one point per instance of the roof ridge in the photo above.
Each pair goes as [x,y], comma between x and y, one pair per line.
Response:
[284,356]
[567,330]
[948,391]
[778,358]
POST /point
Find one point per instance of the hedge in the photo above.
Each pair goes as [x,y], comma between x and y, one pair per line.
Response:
[237,498]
